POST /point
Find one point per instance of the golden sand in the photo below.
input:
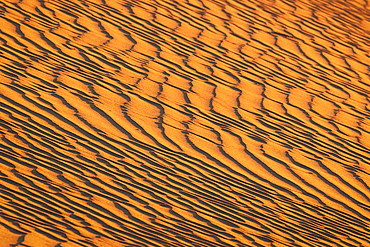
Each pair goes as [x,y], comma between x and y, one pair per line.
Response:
[184,123]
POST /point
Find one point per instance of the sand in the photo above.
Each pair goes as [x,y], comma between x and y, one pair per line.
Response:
[184,123]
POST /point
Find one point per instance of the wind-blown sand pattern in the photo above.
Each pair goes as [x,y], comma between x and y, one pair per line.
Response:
[184,123]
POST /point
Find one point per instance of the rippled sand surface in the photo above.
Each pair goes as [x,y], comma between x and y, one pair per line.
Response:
[184,123]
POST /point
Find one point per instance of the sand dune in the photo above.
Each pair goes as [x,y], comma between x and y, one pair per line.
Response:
[184,123]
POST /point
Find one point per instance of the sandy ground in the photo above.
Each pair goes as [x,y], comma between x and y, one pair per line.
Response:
[184,123]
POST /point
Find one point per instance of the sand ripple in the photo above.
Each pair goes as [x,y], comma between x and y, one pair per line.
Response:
[184,123]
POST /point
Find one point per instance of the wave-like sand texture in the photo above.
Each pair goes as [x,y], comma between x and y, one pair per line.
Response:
[184,123]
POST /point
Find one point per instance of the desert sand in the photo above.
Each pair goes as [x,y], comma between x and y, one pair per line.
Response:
[184,123]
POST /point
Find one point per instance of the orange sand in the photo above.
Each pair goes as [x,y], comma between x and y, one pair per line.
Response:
[184,123]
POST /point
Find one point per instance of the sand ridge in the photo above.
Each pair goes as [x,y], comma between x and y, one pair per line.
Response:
[184,123]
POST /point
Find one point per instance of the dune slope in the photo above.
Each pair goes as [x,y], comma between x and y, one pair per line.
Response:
[184,123]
